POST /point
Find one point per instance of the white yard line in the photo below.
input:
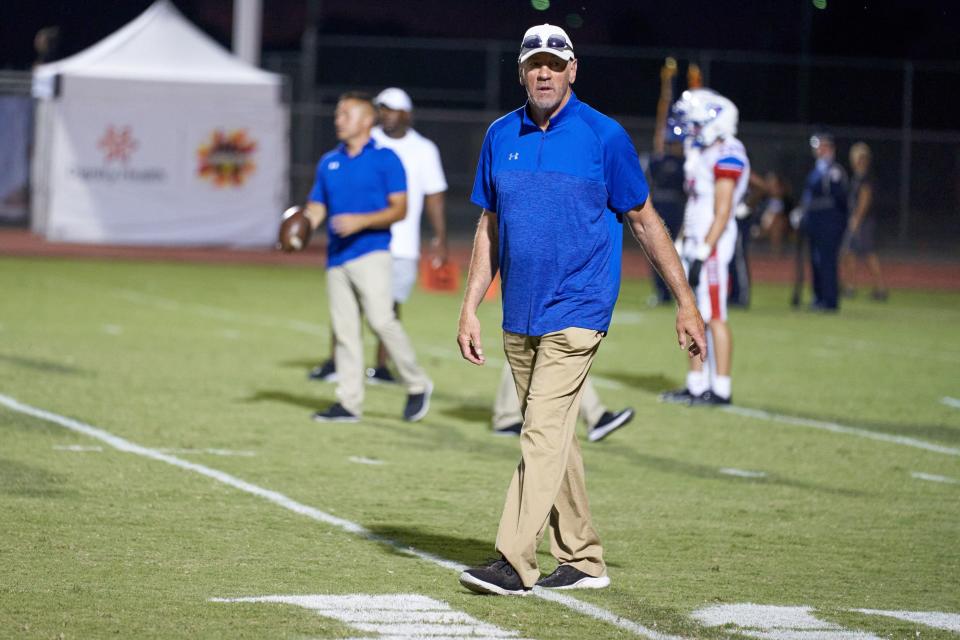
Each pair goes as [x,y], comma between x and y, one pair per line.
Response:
[290,504]
[950,402]
[935,619]
[919,475]
[743,473]
[839,428]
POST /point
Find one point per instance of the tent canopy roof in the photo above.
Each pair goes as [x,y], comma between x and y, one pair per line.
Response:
[159,45]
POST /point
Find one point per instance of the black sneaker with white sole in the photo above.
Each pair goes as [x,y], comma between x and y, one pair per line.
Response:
[497,578]
[677,396]
[509,430]
[608,423]
[418,404]
[335,413]
[380,375]
[709,399]
[567,577]
[326,371]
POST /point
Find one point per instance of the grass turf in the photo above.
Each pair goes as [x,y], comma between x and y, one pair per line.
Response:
[94,544]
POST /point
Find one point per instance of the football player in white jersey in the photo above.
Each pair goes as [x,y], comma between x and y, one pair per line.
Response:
[426,188]
[717,173]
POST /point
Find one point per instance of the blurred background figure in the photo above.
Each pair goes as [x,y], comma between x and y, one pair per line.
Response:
[600,421]
[46,44]
[824,220]
[773,210]
[859,239]
[665,171]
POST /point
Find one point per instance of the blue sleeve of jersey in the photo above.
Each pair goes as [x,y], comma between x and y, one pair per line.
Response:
[317,193]
[484,194]
[626,186]
[394,177]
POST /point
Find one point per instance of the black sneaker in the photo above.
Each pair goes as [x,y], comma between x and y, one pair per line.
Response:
[677,396]
[417,405]
[497,578]
[380,375]
[509,430]
[567,577]
[335,413]
[326,371]
[708,399]
[608,423]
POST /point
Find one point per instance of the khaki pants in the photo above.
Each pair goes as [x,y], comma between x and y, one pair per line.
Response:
[364,284]
[548,487]
[506,406]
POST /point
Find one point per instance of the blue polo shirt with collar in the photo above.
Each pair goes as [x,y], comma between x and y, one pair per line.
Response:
[357,184]
[559,196]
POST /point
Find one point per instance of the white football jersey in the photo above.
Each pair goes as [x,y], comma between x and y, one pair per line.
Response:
[421,162]
[725,158]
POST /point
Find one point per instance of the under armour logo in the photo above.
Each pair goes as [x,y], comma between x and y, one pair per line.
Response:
[333,165]
[513,156]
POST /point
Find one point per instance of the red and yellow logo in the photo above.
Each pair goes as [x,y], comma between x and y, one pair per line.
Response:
[226,159]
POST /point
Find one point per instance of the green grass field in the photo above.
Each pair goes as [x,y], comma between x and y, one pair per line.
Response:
[199,361]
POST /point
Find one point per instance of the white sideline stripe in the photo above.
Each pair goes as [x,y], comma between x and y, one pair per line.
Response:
[321,516]
[775,622]
[76,448]
[919,475]
[363,460]
[743,473]
[839,428]
[950,402]
[212,452]
[112,329]
[935,619]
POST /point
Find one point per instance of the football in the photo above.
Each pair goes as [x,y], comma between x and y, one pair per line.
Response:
[295,230]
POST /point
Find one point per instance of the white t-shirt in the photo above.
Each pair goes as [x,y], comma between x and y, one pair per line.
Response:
[421,161]
[723,159]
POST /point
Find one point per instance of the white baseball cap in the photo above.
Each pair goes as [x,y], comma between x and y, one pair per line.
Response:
[547,38]
[394,98]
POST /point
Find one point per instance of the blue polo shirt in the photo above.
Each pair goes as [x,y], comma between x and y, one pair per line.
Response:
[559,195]
[358,184]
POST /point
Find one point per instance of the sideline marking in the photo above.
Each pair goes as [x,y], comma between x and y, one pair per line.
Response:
[743,473]
[212,452]
[950,402]
[935,619]
[281,500]
[772,622]
[363,460]
[919,475]
[112,329]
[405,615]
[839,428]
[76,447]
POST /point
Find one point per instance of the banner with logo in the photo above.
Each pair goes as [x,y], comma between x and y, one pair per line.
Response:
[166,173]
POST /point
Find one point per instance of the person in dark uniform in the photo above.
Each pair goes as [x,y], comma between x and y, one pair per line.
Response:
[665,172]
[825,220]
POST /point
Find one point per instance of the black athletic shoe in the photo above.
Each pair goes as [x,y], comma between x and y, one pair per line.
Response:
[608,423]
[417,405]
[335,413]
[567,577]
[497,578]
[326,371]
[677,396]
[509,430]
[708,399]
[380,375]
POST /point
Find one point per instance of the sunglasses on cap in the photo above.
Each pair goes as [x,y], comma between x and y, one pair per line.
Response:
[555,41]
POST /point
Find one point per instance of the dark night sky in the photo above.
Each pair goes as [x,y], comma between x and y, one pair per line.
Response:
[918,29]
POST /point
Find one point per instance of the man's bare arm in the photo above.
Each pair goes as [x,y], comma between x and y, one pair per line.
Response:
[434,205]
[316,213]
[347,224]
[648,229]
[483,266]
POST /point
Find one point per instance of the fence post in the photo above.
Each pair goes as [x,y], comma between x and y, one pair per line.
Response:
[906,147]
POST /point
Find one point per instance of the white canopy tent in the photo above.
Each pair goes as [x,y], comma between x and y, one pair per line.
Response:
[158,135]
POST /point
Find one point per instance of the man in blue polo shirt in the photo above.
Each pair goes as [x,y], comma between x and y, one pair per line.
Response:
[556,179]
[360,189]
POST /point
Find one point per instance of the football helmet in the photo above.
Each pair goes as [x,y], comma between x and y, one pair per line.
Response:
[706,116]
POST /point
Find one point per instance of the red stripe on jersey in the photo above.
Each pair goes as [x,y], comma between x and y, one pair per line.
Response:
[727,171]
